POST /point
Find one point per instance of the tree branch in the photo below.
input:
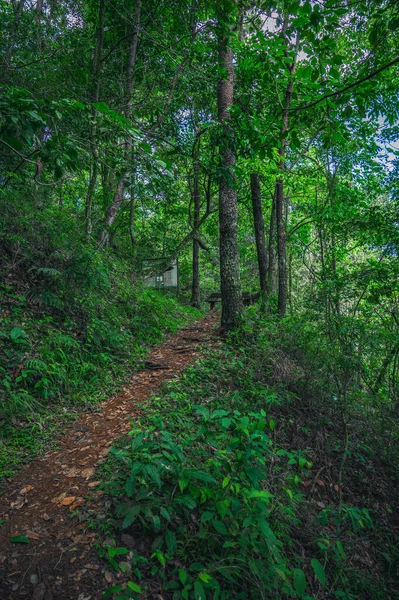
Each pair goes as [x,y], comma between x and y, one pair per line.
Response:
[348,87]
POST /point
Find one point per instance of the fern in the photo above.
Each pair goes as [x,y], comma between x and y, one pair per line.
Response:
[49,272]
[35,364]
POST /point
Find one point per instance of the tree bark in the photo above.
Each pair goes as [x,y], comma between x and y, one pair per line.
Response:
[195,290]
[281,249]
[94,98]
[280,213]
[39,9]
[228,209]
[259,226]
[271,286]
[117,200]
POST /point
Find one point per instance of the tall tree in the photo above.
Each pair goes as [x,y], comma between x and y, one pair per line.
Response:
[127,168]
[196,198]
[228,212]
[94,96]
[259,226]
[279,193]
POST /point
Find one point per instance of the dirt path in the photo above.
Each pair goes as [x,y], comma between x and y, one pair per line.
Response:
[59,562]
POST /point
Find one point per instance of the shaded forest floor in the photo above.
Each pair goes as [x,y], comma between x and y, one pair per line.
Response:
[240,459]
[40,503]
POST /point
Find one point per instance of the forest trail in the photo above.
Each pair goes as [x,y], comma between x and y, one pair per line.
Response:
[59,562]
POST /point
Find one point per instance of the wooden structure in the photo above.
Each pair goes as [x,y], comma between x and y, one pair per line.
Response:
[248,298]
[156,277]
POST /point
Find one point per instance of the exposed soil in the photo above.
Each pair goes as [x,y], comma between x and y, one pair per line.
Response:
[59,562]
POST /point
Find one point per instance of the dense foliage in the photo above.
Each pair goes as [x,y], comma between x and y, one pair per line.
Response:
[257,142]
[223,492]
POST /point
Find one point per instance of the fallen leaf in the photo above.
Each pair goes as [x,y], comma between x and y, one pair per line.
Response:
[45,517]
[87,473]
[67,501]
[58,499]
[26,489]
[336,488]
[72,473]
[93,484]
[320,482]
[320,504]
[32,535]
[18,503]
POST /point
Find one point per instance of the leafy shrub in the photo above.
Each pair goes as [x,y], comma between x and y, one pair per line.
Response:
[72,323]
[197,482]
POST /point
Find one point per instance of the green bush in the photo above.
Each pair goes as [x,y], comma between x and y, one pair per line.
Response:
[72,322]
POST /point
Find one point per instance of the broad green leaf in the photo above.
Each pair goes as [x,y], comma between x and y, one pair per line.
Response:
[299,581]
[319,570]
[220,527]
[134,587]
[20,539]
[171,541]
[199,592]
[112,590]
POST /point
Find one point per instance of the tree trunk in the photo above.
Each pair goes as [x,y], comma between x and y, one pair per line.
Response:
[228,210]
[13,29]
[113,209]
[195,291]
[94,98]
[280,213]
[259,226]
[39,9]
[271,286]
[281,249]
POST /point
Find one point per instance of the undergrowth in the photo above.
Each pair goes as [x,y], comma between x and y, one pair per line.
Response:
[238,483]
[72,326]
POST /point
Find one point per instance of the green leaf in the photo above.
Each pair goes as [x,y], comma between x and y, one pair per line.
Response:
[299,581]
[137,441]
[153,472]
[206,516]
[134,587]
[130,485]
[199,592]
[20,539]
[183,576]
[270,538]
[199,475]
[171,541]
[131,516]
[112,590]
[187,501]
[16,334]
[244,422]
[101,107]
[165,514]
[117,552]
[205,577]
[219,413]
[319,570]
[341,550]
[220,527]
